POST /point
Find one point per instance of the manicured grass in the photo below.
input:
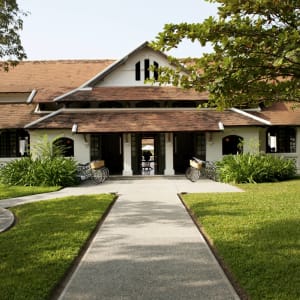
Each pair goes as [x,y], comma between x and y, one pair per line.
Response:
[257,234]
[18,191]
[37,251]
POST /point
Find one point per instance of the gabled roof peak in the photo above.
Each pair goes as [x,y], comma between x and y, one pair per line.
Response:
[103,73]
[119,62]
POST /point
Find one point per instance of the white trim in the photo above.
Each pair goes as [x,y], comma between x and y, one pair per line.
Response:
[85,89]
[44,118]
[79,89]
[107,70]
[66,94]
[31,96]
[241,112]
[85,85]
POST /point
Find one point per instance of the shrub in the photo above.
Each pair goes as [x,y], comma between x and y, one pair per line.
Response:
[58,171]
[50,168]
[255,168]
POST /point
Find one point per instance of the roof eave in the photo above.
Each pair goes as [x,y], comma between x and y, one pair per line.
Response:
[27,126]
[246,114]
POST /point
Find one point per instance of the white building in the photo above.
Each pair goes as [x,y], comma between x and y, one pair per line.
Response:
[104,109]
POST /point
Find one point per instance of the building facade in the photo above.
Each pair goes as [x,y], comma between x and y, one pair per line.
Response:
[104,109]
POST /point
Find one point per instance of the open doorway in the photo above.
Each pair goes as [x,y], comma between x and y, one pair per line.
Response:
[155,144]
[148,155]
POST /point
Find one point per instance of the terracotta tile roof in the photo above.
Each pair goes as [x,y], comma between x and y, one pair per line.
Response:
[281,118]
[135,93]
[281,114]
[16,115]
[50,78]
[142,120]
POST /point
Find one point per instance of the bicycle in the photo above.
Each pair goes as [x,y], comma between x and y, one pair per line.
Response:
[86,171]
[193,172]
[200,168]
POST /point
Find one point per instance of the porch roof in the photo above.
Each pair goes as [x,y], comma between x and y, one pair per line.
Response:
[135,120]
[281,113]
[135,93]
[16,115]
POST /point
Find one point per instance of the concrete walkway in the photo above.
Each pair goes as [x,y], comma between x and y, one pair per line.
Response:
[148,247]
[6,219]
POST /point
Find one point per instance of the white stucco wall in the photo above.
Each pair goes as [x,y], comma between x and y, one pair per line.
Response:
[81,142]
[254,141]
[124,75]
[251,136]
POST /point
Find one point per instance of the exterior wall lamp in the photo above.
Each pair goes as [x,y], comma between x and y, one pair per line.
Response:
[74,128]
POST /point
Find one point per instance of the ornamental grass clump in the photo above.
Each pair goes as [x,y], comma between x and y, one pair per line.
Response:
[48,168]
[255,168]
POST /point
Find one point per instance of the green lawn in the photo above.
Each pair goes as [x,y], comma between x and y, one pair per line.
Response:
[18,191]
[37,251]
[257,234]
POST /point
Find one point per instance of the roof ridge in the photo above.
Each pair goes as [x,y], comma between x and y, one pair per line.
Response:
[65,60]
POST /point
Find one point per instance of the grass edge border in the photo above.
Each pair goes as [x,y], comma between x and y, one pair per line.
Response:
[236,286]
[61,285]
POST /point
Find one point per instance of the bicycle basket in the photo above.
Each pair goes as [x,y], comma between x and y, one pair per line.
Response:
[97,164]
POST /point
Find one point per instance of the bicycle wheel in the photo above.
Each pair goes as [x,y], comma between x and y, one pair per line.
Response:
[105,172]
[97,176]
[192,174]
[188,173]
[195,175]
[83,172]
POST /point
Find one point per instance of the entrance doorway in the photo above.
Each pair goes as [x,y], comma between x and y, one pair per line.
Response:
[108,147]
[148,155]
[187,145]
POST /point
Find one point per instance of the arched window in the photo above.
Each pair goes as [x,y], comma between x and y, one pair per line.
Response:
[147,70]
[138,71]
[232,144]
[155,71]
[66,146]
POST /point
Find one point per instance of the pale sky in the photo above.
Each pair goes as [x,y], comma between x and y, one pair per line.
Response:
[100,29]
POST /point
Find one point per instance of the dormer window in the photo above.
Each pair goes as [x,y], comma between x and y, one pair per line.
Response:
[147,73]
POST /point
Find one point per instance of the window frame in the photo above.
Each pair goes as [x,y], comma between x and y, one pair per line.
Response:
[234,144]
[67,150]
[285,139]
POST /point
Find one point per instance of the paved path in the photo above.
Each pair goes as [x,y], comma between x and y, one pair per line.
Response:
[148,247]
[6,219]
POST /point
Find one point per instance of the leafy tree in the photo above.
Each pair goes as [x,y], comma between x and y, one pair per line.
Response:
[255,57]
[11,49]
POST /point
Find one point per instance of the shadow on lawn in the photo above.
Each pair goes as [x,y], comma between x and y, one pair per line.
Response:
[211,208]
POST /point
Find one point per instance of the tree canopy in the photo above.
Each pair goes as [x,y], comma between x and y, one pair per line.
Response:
[11,49]
[255,58]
